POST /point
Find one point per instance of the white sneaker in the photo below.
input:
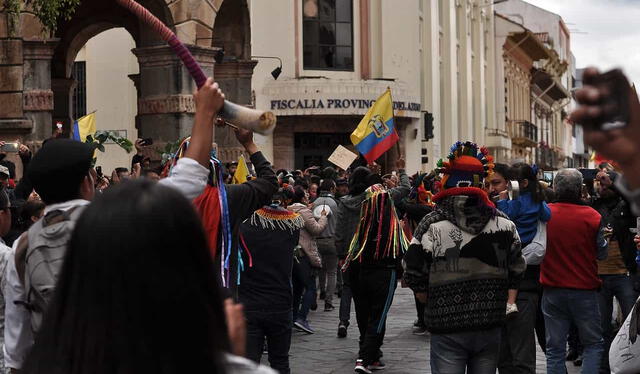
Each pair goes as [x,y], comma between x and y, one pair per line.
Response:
[361,369]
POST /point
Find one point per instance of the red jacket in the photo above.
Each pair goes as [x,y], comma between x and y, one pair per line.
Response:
[572,248]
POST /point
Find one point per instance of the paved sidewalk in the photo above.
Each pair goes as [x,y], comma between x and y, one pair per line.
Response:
[404,353]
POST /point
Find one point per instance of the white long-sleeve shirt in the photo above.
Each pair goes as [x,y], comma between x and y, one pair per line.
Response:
[188,177]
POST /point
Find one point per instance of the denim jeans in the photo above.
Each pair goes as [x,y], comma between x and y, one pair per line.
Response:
[276,328]
[475,351]
[620,286]
[304,288]
[561,308]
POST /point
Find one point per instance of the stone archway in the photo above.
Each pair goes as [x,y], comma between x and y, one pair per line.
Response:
[165,105]
[36,85]
[232,32]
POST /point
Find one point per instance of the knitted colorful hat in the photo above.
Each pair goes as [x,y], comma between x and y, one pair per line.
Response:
[466,166]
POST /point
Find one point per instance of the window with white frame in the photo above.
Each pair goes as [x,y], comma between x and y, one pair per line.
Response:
[327,34]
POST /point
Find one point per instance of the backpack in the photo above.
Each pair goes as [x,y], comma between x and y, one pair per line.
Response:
[39,259]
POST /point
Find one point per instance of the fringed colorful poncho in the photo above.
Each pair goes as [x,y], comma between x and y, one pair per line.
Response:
[379,238]
[276,218]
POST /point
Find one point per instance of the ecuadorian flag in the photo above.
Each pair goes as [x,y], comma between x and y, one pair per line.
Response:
[376,132]
[84,126]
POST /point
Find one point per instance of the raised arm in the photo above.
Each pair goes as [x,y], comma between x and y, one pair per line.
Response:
[189,176]
[250,196]
[209,100]
[404,187]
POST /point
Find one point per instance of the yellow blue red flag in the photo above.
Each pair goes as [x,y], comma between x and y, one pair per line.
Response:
[84,126]
[376,132]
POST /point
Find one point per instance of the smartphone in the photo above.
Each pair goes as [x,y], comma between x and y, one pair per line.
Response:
[99,171]
[147,141]
[616,103]
[10,147]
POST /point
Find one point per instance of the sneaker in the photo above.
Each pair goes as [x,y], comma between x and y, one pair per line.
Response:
[420,330]
[378,365]
[303,325]
[322,295]
[328,307]
[360,368]
[342,330]
[512,308]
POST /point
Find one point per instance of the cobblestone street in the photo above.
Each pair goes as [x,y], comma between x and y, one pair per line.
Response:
[404,353]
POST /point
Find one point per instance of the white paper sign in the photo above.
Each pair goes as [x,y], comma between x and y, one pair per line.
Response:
[342,157]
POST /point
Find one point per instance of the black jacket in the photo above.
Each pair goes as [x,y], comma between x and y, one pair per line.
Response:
[617,213]
[266,286]
[246,198]
[349,213]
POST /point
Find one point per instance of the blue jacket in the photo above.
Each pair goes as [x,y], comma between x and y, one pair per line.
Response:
[525,213]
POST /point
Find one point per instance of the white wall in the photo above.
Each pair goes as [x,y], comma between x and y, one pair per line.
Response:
[272,34]
[401,60]
[110,92]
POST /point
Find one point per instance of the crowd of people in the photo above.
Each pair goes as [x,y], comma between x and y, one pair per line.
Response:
[177,270]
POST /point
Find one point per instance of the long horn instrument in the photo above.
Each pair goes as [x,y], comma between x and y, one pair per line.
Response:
[258,121]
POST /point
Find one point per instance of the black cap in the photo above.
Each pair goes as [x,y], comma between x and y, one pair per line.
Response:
[59,168]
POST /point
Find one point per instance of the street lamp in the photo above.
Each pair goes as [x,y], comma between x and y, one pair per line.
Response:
[278,70]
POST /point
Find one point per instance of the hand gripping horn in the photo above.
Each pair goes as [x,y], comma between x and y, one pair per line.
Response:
[258,121]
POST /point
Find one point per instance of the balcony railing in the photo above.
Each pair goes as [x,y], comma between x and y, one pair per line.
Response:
[523,133]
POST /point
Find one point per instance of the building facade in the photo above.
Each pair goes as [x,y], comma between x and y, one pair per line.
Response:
[514,136]
[457,69]
[458,80]
[550,84]
[337,58]
[436,56]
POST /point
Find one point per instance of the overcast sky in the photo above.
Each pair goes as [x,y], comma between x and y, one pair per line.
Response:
[613,28]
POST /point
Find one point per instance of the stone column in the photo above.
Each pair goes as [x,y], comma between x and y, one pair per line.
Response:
[63,98]
[165,106]
[234,77]
[38,95]
[135,78]
[11,85]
